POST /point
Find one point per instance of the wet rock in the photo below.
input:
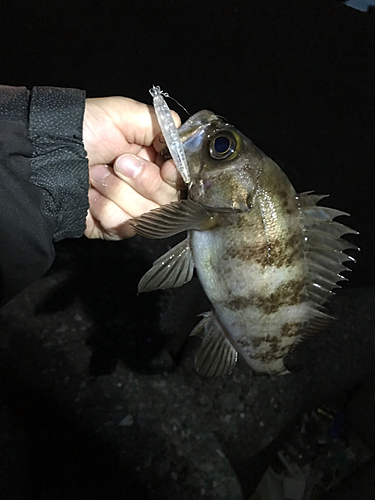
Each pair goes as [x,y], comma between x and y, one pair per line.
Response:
[361,411]
[361,485]
[190,437]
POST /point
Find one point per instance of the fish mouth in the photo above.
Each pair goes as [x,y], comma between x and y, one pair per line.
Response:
[196,129]
[195,123]
[192,131]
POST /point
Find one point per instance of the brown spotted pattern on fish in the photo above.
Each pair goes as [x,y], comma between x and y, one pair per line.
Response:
[287,294]
[268,259]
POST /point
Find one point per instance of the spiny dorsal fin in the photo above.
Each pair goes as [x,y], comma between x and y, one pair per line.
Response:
[325,255]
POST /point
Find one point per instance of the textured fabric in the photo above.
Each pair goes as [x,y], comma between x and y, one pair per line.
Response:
[43,190]
[59,164]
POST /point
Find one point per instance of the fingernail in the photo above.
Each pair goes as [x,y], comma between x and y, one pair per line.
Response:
[99,172]
[129,165]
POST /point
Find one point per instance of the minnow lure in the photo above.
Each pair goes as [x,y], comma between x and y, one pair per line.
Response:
[170,132]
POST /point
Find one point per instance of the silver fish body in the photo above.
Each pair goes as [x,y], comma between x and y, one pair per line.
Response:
[267,258]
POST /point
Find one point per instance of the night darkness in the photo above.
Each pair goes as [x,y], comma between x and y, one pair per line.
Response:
[99,397]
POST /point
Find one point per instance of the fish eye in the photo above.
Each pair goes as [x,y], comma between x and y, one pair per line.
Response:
[222,146]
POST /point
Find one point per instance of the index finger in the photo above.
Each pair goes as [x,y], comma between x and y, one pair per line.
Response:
[138,121]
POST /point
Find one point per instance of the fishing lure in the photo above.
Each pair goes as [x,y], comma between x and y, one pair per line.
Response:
[170,133]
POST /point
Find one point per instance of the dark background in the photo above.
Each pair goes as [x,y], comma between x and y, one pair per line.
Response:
[297,77]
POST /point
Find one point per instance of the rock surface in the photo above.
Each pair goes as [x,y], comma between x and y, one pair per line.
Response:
[138,416]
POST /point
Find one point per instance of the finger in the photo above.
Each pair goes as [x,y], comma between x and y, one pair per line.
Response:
[145,178]
[94,230]
[159,143]
[105,219]
[112,187]
[171,176]
[139,121]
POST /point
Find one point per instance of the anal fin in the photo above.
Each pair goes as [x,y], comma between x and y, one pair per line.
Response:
[171,270]
[216,355]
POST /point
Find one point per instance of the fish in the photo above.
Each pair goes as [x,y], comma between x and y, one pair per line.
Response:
[267,258]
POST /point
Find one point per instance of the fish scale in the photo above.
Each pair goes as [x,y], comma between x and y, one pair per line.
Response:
[267,258]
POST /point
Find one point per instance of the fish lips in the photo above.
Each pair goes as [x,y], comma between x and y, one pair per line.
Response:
[192,131]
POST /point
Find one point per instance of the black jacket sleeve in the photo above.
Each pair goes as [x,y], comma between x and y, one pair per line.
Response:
[43,180]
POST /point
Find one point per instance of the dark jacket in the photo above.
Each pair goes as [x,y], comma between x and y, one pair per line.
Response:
[43,180]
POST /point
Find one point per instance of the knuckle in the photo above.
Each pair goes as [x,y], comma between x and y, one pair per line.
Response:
[151,182]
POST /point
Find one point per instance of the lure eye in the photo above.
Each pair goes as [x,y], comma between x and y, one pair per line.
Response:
[222,146]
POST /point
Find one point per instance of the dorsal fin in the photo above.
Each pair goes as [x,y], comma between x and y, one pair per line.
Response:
[324,250]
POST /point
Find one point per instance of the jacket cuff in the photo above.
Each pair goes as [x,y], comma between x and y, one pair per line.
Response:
[59,164]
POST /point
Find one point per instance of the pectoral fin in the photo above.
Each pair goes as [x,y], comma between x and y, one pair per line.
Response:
[173,269]
[172,219]
[216,355]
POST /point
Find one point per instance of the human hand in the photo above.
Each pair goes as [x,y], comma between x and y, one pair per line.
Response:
[127,173]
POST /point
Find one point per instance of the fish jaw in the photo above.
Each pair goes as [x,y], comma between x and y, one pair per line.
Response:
[193,135]
[195,123]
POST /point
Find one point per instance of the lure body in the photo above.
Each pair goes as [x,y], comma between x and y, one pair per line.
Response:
[170,132]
